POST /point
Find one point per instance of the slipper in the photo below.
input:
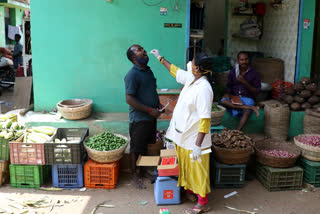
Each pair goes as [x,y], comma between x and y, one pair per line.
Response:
[195,210]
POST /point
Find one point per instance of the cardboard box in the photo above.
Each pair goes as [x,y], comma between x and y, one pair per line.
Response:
[163,170]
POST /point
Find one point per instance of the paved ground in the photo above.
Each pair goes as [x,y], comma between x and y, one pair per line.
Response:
[126,199]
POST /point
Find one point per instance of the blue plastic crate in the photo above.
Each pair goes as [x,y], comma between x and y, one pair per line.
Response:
[166,191]
[67,175]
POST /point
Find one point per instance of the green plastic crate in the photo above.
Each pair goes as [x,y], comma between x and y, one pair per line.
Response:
[28,176]
[229,176]
[4,149]
[280,179]
[311,171]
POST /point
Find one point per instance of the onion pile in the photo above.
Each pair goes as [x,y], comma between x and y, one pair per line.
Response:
[310,140]
[278,153]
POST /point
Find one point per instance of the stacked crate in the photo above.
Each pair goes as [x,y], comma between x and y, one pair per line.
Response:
[228,176]
[27,169]
[280,179]
[4,152]
[311,171]
[101,175]
[67,158]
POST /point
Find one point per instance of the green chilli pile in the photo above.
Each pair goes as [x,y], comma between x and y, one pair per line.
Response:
[105,142]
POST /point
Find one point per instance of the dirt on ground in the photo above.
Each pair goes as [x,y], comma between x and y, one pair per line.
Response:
[125,199]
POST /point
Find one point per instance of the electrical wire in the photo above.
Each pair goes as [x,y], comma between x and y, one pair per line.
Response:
[150,5]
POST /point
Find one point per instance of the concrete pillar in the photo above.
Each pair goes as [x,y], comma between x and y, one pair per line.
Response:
[2,28]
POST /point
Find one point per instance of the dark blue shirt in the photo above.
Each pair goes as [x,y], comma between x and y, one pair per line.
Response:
[142,85]
[234,87]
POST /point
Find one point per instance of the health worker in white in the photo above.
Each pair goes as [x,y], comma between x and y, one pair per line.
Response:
[190,127]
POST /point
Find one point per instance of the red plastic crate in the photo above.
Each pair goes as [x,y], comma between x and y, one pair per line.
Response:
[27,153]
[101,175]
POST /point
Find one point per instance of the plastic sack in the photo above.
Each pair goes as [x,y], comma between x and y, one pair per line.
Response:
[5,62]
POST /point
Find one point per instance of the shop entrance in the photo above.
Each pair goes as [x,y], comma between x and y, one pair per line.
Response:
[315,74]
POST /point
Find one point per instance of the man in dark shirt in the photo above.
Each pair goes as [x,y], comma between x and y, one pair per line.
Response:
[142,96]
[244,82]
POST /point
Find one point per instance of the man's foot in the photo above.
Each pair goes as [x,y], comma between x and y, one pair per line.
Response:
[255,109]
[137,182]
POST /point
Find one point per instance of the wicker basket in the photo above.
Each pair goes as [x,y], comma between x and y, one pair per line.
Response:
[232,156]
[107,156]
[279,162]
[216,116]
[75,109]
[309,152]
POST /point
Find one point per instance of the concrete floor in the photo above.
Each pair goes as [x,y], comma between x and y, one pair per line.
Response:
[126,199]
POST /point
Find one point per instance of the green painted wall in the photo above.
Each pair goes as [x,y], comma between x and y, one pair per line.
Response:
[2,28]
[307,39]
[79,48]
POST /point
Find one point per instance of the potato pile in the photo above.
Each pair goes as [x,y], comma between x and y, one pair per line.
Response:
[231,139]
[304,95]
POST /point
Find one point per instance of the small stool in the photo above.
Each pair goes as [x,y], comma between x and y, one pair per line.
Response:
[216,129]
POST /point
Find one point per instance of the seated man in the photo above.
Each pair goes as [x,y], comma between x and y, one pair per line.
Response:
[244,83]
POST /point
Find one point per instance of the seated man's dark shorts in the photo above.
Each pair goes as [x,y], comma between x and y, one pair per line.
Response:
[142,133]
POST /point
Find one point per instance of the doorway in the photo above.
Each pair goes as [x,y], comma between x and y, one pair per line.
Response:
[315,74]
[207,27]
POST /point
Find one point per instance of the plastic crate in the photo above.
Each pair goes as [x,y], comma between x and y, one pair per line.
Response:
[280,179]
[4,149]
[216,129]
[166,191]
[67,153]
[101,175]
[27,153]
[229,176]
[28,176]
[311,171]
[67,175]
[4,171]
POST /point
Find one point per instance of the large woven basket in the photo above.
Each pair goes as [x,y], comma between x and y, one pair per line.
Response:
[276,121]
[75,109]
[309,152]
[279,162]
[107,156]
[232,156]
[216,116]
[311,122]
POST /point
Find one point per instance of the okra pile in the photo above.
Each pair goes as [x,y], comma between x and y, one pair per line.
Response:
[105,142]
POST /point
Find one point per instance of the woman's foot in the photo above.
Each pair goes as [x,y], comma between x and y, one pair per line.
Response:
[190,197]
[197,209]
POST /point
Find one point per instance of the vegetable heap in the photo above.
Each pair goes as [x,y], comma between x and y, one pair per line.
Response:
[278,153]
[215,107]
[41,134]
[105,142]
[231,139]
[10,130]
[310,140]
